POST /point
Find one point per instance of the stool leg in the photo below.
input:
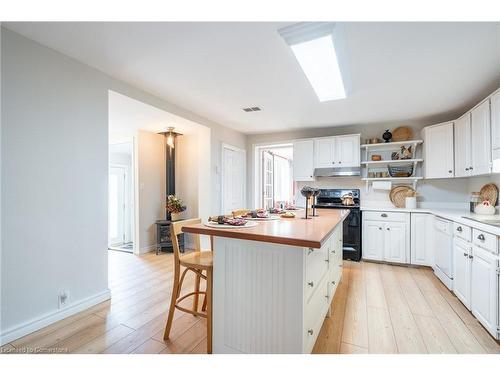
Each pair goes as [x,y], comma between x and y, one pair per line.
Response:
[209,311]
[175,295]
[196,290]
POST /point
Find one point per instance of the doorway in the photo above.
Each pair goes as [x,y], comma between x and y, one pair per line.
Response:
[274,176]
[233,179]
[121,197]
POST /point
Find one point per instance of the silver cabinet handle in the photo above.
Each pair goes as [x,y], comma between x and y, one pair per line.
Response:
[388,228]
[471,168]
[459,229]
[333,282]
[310,283]
[466,169]
[379,228]
[327,296]
[383,215]
[466,255]
[310,332]
[310,251]
[470,257]
[327,260]
[450,171]
[481,237]
[340,162]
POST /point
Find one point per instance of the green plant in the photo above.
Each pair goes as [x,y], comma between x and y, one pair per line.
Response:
[174,204]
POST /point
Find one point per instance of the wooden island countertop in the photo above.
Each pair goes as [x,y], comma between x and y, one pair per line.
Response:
[295,232]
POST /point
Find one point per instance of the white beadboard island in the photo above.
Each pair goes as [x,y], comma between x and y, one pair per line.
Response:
[273,284]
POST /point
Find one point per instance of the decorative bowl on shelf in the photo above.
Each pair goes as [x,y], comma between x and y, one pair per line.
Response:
[400,170]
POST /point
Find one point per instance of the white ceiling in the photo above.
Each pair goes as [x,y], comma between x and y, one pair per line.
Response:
[397,71]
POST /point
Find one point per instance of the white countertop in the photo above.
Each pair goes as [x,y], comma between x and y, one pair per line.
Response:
[456,215]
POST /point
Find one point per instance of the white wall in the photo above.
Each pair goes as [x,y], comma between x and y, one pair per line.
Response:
[54,184]
[54,148]
[452,193]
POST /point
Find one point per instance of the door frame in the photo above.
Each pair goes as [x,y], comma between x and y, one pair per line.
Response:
[227,146]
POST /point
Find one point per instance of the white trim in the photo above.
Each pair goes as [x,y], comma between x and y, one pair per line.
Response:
[147,249]
[26,328]
[237,149]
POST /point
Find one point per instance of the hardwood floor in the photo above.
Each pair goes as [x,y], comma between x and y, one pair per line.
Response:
[377,309]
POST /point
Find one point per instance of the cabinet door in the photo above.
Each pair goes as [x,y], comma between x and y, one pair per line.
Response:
[484,288]
[438,145]
[463,146]
[395,242]
[481,139]
[462,271]
[303,156]
[348,151]
[373,240]
[421,239]
[495,124]
[324,151]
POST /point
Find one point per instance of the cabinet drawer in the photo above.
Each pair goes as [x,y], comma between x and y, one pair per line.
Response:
[385,216]
[314,314]
[485,240]
[316,267]
[462,231]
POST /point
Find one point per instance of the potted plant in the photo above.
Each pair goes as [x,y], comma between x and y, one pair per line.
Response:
[175,207]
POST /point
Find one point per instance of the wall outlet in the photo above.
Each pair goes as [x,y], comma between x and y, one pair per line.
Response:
[63,298]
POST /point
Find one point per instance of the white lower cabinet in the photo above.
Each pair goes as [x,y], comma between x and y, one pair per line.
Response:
[386,236]
[462,252]
[421,234]
[484,288]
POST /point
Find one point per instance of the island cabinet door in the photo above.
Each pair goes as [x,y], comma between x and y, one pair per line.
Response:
[314,314]
[373,240]
[316,261]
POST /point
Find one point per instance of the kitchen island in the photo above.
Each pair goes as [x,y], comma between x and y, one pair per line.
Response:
[273,284]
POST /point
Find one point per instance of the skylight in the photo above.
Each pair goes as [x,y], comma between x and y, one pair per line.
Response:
[312,44]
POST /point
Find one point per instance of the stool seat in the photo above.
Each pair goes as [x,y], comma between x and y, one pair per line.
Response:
[202,260]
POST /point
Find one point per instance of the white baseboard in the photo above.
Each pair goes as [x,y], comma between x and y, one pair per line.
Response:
[26,328]
[147,249]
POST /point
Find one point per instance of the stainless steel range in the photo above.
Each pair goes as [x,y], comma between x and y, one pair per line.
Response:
[332,198]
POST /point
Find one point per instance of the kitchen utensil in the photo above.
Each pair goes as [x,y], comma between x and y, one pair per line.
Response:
[373,141]
[489,192]
[398,195]
[347,199]
[376,157]
[402,133]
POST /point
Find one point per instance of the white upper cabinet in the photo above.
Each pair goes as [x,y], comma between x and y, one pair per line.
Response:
[481,139]
[438,149]
[495,124]
[347,148]
[463,152]
[324,152]
[341,151]
[303,156]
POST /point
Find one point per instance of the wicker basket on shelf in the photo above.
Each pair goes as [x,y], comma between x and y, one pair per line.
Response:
[405,170]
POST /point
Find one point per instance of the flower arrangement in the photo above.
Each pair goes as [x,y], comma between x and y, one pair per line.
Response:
[174,205]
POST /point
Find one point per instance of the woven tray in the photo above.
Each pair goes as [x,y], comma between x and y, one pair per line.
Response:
[489,192]
[398,195]
[403,133]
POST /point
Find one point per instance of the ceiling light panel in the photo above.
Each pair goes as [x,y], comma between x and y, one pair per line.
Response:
[313,47]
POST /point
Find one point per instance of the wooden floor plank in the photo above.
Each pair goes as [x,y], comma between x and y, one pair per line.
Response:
[346,348]
[380,332]
[150,347]
[435,337]
[100,343]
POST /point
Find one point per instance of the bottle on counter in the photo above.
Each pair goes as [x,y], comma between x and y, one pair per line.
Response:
[475,199]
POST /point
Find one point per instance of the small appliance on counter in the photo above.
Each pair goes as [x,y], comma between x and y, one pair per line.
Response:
[341,199]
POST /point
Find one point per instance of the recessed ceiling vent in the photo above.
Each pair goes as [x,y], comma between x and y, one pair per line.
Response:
[252,109]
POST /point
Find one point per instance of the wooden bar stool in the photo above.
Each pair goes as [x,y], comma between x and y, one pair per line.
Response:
[199,262]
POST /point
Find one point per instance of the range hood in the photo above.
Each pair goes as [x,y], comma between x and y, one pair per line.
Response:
[337,172]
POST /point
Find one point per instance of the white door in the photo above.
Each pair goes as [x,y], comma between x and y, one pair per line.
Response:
[324,153]
[481,139]
[267,180]
[116,205]
[421,239]
[303,160]
[438,145]
[233,179]
[462,271]
[484,289]
[463,142]
[348,151]
[495,124]
[373,240]
[395,242]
